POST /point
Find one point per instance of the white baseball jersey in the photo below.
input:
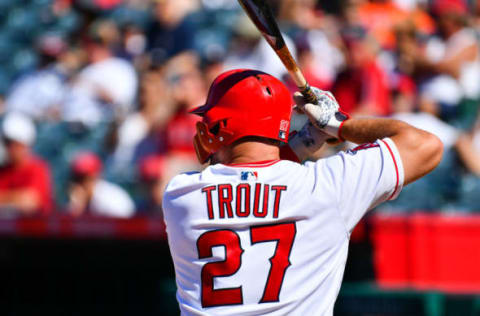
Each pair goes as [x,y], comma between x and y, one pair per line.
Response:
[272,238]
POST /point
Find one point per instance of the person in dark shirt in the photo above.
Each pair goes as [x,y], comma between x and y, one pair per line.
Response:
[171,33]
[151,172]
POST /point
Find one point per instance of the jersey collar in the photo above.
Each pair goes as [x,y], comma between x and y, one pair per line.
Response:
[257,164]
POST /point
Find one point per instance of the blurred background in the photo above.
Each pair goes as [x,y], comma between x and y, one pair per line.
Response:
[94,96]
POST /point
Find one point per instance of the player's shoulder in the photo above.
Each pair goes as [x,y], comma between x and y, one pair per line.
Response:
[353,156]
[181,180]
[362,157]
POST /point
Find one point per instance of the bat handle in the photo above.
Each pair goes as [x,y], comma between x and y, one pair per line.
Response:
[308,94]
[300,81]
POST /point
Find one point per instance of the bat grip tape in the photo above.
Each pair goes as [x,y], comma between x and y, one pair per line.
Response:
[309,95]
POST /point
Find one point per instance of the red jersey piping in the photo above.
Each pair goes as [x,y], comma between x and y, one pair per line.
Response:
[396,169]
[258,164]
[339,132]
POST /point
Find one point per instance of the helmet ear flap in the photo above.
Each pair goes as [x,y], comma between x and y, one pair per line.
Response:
[203,154]
[206,143]
[203,142]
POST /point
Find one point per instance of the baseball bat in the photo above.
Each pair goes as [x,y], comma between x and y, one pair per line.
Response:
[261,15]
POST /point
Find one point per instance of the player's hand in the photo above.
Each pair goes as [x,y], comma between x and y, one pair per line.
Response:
[321,112]
[307,141]
[325,115]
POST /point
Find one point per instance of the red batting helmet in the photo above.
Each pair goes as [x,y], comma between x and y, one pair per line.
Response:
[242,103]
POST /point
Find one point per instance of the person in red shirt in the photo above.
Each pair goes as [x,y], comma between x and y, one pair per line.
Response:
[152,183]
[25,182]
[362,88]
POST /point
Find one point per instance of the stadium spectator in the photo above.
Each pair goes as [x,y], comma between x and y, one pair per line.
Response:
[171,33]
[151,172]
[134,43]
[25,185]
[248,50]
[40,93]
[319,59]
[91,53]
[107,87]
[188,90]
[476,17]
[452,60]
[301,13]
[134,136]
[380,17]
[404,104]
[468,148]
[89,194]
[362,87]
[421,19]
[219,4]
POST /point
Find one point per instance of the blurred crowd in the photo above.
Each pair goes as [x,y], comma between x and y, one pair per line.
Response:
[95,94]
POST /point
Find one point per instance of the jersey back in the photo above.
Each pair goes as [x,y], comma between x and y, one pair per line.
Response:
[272,238]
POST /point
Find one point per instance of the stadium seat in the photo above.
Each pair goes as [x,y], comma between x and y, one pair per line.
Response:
[24,60]
[23,23]
[211,43]
[5,5]
[67,23]
[469,197]
[7,47]
[124,16]
[4,82]
[41,3]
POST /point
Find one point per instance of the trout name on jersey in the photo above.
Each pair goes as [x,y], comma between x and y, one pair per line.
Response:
[236,200]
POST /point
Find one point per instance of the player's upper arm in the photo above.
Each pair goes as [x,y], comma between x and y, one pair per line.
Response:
[363,178]
[420,152]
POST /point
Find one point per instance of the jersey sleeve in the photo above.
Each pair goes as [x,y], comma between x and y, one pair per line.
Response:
[363,178]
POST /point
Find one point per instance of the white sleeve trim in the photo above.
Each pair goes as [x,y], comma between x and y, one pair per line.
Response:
[388,146]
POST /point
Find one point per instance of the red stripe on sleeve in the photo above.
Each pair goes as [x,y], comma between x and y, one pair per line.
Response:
[396,169]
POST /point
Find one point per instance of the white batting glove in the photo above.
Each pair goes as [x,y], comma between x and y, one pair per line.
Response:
[307,141]
[326,115]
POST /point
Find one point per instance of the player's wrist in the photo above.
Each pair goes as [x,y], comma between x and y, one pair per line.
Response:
[307,141]
[325,114]
[335,124]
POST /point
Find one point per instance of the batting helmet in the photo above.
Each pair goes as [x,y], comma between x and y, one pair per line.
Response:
[242,103]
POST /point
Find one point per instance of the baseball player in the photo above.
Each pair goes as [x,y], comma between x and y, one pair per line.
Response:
[255,234]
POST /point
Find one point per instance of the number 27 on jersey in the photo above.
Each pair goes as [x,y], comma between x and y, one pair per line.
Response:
[282,234]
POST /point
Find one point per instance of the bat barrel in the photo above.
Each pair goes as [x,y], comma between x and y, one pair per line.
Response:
[262,16]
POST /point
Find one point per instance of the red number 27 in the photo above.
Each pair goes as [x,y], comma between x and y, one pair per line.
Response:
[283,234]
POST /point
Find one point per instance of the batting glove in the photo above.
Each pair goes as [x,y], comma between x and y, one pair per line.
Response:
[307,141]
[325,115]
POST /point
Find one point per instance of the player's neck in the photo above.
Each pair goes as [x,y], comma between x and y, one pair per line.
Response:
[249,152]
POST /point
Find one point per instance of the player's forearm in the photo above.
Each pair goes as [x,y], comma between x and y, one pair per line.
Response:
[368,130]
[420,151]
